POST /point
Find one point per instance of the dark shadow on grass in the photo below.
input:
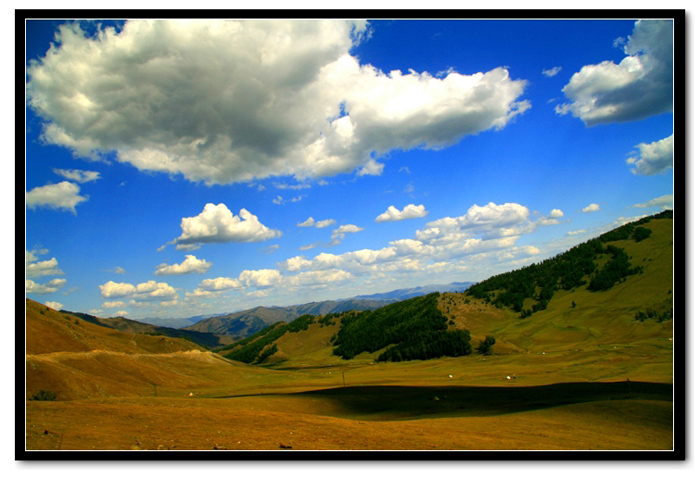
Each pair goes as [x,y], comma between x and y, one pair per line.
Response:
[408,402]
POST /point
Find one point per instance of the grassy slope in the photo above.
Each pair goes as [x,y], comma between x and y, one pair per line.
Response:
[77,359]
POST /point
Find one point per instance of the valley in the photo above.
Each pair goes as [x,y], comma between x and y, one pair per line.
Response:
[584,373]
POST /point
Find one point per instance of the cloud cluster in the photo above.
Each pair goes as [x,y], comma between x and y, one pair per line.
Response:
[217,224]
[653,158]
[482,229]
[34,268]
[148,291]
[232,101]
[30,287]
[190,265]
[267,278]
[59,196]
[640,86]
[408,212]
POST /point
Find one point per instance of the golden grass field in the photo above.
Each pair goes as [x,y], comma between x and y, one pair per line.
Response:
[567,378]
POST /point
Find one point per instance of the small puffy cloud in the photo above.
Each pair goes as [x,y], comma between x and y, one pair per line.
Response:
[119,270]
[653,158]
[551,72]
[190,265]
[59,196]
[274,98]
[35,268]
[54,305]
[116,290]
[591,208]
[50,287]
[79,176]
[640,86]
[372,168]
[216,224]
[340,232]
[556,213]
[316,224]
[551,219]
[576,232]
[148,291]
[113,304]
[664,202]
[123,313]
[408,212]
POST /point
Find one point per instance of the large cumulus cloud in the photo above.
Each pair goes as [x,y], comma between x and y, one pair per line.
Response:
[640,86]
[230,101]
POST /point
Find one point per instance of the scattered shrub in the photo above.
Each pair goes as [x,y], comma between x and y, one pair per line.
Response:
[44,395]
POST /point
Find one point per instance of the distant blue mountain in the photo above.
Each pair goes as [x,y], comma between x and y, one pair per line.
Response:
[406,293]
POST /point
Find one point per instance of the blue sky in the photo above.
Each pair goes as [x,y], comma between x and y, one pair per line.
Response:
[177,169]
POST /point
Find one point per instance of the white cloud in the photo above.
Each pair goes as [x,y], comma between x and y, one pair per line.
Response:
[551,72]
[665,202]
[30,287]
[653,158]
[591,208]
[309,222]
[408,212]
[273,98]
[113,304]
[123,313]
[640,86]
[551,219]
[488,221]
[59,196]
[556,213]
[54,305]
[340,232]
[190,265]
[148,291]
[576,232]
[216,224]
[79,176]
[34,268]
[372,168]
[119,270]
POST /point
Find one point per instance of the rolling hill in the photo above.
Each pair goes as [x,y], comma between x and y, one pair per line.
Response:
[248,322]
[76,359]
[209,340]
[550,306]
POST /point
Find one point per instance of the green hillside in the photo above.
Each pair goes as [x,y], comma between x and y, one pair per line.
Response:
[599,264]
[612,290]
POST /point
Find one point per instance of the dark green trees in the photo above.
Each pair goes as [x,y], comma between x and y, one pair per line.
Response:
[486,346]
[413,329]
